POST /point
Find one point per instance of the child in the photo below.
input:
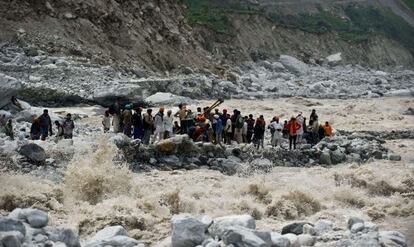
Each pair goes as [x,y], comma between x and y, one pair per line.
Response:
[106,122]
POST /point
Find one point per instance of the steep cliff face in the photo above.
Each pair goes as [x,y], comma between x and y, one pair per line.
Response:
[152,34]
[163,35]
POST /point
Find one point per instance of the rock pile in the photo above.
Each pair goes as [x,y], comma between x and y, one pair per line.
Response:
[28,227]
[240,230]
[73,80]
[180,152]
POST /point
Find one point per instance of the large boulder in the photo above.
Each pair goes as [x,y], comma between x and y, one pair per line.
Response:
[392,238]
[9,224]
[334,59]
[160,98]
[294,65]
[115,236]
[9,87]
[221,224]
[243,237]
[33,152]
[106,96]
[66,236]
[187,231]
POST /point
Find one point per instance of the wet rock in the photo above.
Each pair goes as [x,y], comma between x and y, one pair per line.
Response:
[222,223]
[240,236]
[33,152]
[409,111]
[323,226]
[10,241]
[354,220]
[392,238]
[337,156]
[395,157]
[357,227]
[325,158]
[8,225]
[35,217]
[66,236]
[187,231]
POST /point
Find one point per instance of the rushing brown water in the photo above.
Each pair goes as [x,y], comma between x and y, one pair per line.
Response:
[98,189]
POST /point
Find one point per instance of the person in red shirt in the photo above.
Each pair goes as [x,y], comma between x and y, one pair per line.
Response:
[293,127]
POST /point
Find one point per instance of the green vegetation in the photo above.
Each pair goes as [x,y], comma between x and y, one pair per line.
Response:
[357,24]
[410,4]
[213,13]
[360,24]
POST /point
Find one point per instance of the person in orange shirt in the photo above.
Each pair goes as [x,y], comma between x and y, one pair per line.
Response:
[328,129]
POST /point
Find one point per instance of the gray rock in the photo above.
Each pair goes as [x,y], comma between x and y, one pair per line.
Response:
[354,220]
[369,226]
[117,241]
[295,228]
[337,156]
[106,96]
[325,158]
[306,240]
[294,65]
[66,236]
[293,239]
[10,241]
[308,229]
[392,238]
[35,217]
[187,231]
[322,226]
[357,227]
[279,240]
[395,157]
[110,232]
[243,237]
[222,223]
[8,225]
[33,152]
[9,87]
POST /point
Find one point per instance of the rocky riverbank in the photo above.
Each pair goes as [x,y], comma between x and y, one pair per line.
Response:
[55,81]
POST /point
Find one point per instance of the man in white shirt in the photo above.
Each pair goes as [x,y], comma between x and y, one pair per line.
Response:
[277,136]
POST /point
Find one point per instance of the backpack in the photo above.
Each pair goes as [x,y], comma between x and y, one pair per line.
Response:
[239,122]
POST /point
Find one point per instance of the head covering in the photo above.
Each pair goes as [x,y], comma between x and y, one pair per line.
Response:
[216,116]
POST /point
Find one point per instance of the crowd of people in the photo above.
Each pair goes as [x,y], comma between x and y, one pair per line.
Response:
[206,125]
[42,127]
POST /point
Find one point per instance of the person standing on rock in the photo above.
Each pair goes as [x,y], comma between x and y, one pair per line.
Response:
[182,115]
[250,128]
[218,130]
[60,131]
[159,125]
[45,125]
[127,120]
[68,127]
[313,117]
[148,125]
[259,131]
[299,120]
[228,130]
[238,130]
[293,127]
[168,125]
[35,129]
[106,122]
[137,123]
[277,135]
[328,129]
[8,129]
[245,127]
